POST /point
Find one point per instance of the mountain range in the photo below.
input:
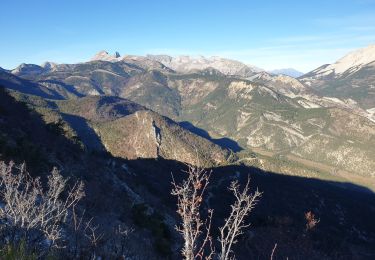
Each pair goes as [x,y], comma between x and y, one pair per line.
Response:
[259,111]
[144,115]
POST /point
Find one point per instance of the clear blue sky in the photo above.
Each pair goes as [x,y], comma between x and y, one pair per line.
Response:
[268,34]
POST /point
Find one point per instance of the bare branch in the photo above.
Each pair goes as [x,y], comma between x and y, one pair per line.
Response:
[273,251]
[28,207]
[189,200]
[235,223]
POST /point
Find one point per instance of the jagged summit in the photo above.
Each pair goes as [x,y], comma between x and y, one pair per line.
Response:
[105,56]
[49,65]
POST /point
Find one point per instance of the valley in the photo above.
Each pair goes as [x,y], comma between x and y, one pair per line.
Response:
[124,124]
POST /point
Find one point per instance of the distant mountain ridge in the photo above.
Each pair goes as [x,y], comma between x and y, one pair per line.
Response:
[187,63]
[288,72]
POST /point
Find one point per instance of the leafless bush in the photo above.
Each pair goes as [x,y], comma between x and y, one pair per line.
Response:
[90,240]
[194,230]
[77,235]
[94,236]
[29,209]
[235,223]
[118,242]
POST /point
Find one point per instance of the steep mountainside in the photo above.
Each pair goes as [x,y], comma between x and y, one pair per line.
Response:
[258,117]
[130,131]
[34,88]
[351,77]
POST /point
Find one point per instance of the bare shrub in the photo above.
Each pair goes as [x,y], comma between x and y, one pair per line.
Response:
[235,223]
[119,242]
[196,231]
[94,236]
[273,251]
[89,240]
[31,212]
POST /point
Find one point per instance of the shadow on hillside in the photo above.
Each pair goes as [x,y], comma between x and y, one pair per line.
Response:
[224,142]
[28,87]
[25,136]
[85,132]
[67,87]
[345,210]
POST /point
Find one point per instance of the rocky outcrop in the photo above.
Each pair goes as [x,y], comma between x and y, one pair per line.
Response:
[131,131]
[105,56]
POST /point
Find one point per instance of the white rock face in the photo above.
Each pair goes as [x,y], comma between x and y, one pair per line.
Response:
[351,62]
[189,63]
[240,89]
[307,104]
[283,84]
[186,63]
[371,114]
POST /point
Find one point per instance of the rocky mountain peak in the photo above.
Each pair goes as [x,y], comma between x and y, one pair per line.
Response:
[27,69]
[350,63]
[49,65]
[105,56]
[357,58]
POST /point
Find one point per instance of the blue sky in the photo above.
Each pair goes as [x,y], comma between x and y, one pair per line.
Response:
[268,34]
